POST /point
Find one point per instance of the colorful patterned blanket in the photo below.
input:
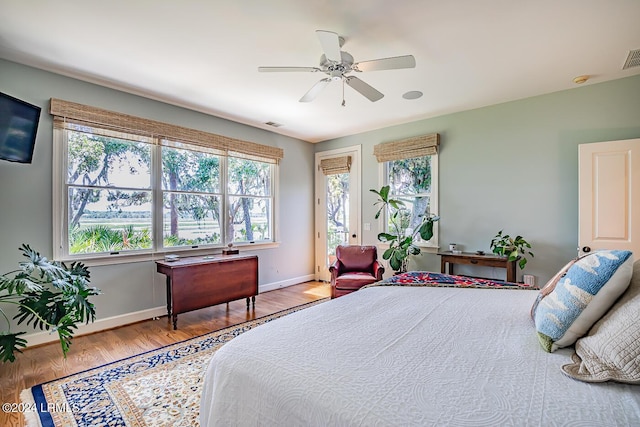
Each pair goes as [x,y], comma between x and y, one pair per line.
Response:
[426,278]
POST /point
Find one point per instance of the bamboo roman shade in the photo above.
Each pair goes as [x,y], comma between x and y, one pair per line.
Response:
[71,112]
[418,146]
[336,165]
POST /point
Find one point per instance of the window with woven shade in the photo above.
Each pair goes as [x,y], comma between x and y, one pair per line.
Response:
[125,185]
[410,168]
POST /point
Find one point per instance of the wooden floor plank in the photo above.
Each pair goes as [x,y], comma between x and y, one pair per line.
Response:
[45,363]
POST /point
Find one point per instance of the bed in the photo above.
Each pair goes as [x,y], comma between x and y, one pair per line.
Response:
[456,354]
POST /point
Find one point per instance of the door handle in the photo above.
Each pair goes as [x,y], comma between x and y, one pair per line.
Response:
[586,249]
[353,235]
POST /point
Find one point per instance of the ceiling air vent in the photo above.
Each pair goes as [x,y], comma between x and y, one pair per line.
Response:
[274,124]
[633,60]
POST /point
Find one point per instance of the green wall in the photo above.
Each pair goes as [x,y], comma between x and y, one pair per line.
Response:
[512,166]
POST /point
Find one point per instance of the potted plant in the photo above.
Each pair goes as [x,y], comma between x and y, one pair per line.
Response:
[49,296]
[513,248]
[401,239]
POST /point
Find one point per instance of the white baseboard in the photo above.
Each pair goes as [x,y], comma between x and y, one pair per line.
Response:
[44,337]
[38,338]
[285,283]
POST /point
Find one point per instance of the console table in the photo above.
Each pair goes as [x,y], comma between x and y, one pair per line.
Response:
[471,258]
[199,282]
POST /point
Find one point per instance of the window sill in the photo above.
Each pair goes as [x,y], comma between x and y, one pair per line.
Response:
[106,259]
[423,248]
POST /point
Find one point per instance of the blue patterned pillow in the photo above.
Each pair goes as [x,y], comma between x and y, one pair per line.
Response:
[588,289]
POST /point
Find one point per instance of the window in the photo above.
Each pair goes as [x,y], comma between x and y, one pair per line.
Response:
[119,193]
[410,168]
[410,180]
[108,192]
[249,200]
[191,197]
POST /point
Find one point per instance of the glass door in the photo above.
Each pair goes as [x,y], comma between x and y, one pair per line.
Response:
[337,205]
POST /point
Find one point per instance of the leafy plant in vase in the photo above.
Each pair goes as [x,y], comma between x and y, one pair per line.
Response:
[512,248]
[49,296]
[401,240]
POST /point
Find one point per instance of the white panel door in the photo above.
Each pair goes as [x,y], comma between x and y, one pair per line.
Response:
[609,196]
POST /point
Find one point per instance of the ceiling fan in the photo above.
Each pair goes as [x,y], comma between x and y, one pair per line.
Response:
[337,64]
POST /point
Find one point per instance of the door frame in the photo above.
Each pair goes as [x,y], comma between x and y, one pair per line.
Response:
[355,200]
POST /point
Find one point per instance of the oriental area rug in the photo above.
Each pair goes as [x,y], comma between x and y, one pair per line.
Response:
[158,388]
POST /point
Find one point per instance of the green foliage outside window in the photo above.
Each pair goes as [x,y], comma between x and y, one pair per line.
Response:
[337,211]
[111,202]
[410,181]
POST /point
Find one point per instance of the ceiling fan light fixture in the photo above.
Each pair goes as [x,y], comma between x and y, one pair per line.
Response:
[336,75]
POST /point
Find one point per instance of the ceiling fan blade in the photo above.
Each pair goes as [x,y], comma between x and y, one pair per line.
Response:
[315,90]
[394,63]
[366,90]
[287,69]
[330,42]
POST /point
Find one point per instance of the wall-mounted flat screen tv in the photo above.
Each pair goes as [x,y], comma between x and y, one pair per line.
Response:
[18,127]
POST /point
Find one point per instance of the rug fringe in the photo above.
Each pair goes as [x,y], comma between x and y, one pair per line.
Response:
[31,417]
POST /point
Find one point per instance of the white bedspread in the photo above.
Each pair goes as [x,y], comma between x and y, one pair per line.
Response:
[405,356]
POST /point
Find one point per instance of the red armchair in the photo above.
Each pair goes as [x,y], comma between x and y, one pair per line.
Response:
[354,267]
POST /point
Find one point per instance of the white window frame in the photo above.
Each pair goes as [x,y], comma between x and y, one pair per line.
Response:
[433,244]
[227,195]
[60,214]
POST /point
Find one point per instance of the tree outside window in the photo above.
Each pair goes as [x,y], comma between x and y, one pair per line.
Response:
[410,180]
[191,197]
[249,202]
[337,212]
[110,192]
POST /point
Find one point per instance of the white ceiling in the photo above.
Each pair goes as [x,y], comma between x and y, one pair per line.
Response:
[204,54]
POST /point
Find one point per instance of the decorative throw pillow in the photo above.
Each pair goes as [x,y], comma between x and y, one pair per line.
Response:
[585,293]
[550,286]
[611,350]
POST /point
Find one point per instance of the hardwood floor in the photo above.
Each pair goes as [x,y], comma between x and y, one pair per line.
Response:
[45,363]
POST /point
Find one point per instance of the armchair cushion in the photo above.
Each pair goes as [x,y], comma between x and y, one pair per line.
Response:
[354,280]
[355,266]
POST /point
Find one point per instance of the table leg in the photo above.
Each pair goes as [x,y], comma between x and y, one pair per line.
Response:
[169,296]
[175,322]
[446,266]
[511,271]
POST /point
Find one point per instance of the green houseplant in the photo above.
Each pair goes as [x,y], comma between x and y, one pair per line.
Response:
[401,239]
[513,248]
[49,296]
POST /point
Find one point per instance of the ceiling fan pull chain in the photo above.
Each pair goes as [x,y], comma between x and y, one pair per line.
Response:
[343,101]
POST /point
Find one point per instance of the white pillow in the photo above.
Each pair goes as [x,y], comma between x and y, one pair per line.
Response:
[611,350]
